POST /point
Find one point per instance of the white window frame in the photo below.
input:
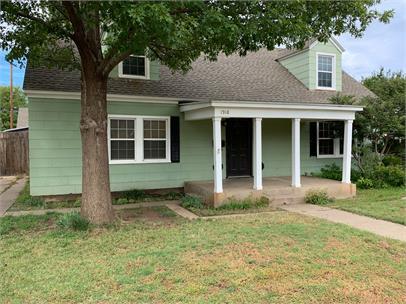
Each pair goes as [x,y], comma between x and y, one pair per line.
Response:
[139,139]
[336,145]
[147,75]
[333,72]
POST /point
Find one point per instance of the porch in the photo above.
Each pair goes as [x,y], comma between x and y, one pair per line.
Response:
[244,149]
[278,189]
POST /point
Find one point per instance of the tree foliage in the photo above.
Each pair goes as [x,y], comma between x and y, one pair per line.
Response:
[19,100]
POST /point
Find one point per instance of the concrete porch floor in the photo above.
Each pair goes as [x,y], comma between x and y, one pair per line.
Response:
[277,189]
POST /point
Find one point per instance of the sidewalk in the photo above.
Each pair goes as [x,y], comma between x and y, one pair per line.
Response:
[380,227]
[9,193]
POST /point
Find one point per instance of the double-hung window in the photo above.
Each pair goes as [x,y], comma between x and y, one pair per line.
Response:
[138,139]
[330,139]
[134,67]
[325,71]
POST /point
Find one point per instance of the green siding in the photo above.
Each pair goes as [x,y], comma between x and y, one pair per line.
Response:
[298,65]
[55,149]
[303,65]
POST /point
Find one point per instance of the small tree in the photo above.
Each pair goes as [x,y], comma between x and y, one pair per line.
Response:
[19,100]
[96,36]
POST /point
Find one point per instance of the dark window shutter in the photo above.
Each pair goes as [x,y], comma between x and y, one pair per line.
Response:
[175,139]
[313,139]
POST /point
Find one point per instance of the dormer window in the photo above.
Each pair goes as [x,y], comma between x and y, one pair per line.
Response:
[134,67]
[326,76]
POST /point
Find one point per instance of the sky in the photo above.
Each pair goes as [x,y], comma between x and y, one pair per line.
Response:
[382,45]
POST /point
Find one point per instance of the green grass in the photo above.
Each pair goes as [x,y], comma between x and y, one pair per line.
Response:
[268,258]
[384,204]
[27,202]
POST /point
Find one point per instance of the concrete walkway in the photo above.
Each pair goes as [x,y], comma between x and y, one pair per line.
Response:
[380,227]
[10,193]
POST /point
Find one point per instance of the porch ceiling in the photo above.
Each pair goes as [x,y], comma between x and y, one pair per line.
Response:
[228,109]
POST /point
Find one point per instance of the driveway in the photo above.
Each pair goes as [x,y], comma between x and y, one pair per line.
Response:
[10,188]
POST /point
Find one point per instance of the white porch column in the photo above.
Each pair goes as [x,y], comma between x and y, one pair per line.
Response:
[257,153]
[347,152]
[218,175]
[296,152]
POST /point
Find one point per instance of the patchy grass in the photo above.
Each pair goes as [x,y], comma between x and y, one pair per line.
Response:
[27,202]
[232,206]
[385,204]
[272,258]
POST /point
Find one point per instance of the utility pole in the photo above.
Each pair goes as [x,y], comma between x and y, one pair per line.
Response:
[11,98]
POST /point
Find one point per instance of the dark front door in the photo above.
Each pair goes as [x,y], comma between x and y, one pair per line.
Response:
[239,147]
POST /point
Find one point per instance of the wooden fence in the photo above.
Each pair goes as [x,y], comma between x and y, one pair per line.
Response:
[14,153]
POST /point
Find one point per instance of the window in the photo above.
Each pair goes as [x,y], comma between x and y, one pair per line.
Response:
[134,67]
[325,71]
[138,139]
[330,139]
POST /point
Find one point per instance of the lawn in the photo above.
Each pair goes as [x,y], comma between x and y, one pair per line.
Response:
[264,258]
[386,204]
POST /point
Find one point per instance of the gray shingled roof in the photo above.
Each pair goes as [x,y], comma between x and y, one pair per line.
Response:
[255,77]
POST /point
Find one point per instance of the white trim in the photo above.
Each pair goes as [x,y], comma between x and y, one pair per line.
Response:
[147,72]
[333,72]
[139,139]
[110,97]
[336,146]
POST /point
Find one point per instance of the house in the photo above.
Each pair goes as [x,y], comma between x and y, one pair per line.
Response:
[266,115]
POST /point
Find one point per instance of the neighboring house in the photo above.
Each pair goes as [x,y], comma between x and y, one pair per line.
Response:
[262,115]
[22,118]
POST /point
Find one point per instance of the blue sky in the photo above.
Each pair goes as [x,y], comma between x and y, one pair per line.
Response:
[383,45]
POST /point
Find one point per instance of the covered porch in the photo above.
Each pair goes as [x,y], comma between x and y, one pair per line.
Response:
[250,181]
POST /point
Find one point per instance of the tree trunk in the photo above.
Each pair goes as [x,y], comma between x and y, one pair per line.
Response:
[96,196]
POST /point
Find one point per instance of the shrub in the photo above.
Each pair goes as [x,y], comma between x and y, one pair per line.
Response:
[233,204]
[331,172]
[120,201]
[365,183]
[392,160]
[317,197]
[134,194]
[191,201]
[73,221]
[390,175]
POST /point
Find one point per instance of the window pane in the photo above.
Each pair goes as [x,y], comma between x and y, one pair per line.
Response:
[122,149]
[154,149]
[326,129]
[341,146]
[326,146]
[325,79]
[325,63]
[134,65]
[121,128]
[154,129]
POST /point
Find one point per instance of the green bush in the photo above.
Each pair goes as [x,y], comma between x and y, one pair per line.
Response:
[331,172]
[389,176]
[317,197]
[392,160]
[73,221]
[365,183]
[233,204]
[120,201]
[134,194]
[191,201]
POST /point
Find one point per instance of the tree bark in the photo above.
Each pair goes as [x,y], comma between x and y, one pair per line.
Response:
[96,196]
